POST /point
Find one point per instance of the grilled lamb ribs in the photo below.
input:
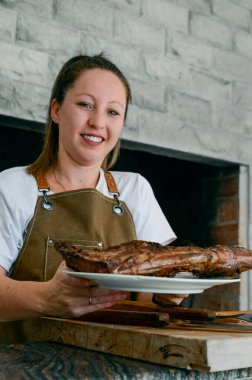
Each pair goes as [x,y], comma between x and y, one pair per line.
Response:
[153,259]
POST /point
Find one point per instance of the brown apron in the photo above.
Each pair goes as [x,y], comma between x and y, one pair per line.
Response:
[82,216]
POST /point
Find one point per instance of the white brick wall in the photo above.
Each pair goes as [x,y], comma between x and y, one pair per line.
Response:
[31,7]
[190,50]
[85,15]
[209,87]
[8,25]
[189,63]
[199,6]
[242,95]
[215,32]
[47,36]
[232,65]
[164,13]
[191,109]
[139,33]
[243,44]
[167,70]
[244,3]
[21,64]
[231,13]
[148,95]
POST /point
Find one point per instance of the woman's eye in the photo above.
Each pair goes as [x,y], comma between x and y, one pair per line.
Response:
[113,113]
[85,105]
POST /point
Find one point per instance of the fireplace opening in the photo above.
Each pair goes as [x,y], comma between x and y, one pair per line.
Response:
[20,141]
[200,199]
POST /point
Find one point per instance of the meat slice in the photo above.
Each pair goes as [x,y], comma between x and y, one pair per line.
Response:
[152,259]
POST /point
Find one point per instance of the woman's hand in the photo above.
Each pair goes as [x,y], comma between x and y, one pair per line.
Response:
[169,299]
[70,297]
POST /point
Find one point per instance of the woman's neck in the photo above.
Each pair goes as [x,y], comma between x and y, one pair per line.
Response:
[64,178]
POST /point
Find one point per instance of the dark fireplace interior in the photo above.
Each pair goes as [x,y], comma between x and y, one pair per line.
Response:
[20,141]
[200,200]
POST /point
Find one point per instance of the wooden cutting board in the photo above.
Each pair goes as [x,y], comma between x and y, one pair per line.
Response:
[190,348]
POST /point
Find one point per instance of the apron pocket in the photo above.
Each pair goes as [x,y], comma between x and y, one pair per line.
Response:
[53,258]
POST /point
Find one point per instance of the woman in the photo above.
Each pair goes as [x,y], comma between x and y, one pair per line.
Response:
[68,193]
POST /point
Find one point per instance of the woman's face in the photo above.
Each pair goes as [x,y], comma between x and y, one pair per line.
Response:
[91,117]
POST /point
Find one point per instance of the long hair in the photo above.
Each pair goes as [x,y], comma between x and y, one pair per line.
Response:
[66,78]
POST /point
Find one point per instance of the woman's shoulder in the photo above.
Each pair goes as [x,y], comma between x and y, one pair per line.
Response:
[14,172]
[16,179]
[129,179]
[132,186]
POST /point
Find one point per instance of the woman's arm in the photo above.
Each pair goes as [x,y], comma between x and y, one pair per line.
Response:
[62,296]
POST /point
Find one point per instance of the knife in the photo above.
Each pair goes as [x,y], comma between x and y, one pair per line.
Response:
[179,312]
[211,326]
[123,317]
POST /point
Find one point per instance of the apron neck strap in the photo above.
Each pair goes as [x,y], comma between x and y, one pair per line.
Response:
[43,184]
[111,183]
[42,181]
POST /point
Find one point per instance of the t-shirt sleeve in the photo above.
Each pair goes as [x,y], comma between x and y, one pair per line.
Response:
[150,221]
[9,235]
[15,211]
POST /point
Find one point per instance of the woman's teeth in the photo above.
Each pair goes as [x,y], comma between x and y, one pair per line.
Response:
[93,138]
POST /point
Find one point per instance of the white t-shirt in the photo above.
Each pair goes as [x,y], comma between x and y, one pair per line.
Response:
[19,193]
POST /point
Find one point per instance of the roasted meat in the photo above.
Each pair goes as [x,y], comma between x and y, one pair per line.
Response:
[152,259]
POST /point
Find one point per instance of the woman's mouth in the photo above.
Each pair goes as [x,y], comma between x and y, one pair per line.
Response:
[91,138]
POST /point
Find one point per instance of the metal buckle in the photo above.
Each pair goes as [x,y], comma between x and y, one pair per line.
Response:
[46,204]
[117,209]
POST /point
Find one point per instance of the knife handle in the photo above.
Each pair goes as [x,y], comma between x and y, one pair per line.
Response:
[126,317]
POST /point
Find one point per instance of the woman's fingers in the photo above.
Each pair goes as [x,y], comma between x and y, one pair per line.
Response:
[169,299]
[103,298]
[82,310]
[77,306]
[72,297]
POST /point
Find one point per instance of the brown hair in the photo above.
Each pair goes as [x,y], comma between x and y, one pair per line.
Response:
[66,78]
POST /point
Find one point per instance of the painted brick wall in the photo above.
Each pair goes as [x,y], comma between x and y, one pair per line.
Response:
[189,63]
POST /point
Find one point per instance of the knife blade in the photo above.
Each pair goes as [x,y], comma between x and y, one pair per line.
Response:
[211,326]
[179,312]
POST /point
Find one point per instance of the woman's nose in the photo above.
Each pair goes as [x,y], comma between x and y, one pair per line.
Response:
[97,119]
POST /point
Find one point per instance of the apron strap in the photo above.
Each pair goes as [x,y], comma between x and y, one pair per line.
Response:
[44,188]
[111,183]
[42,181]
[118,208]
[43,184]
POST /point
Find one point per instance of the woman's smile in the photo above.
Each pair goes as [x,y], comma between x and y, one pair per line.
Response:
[92,139]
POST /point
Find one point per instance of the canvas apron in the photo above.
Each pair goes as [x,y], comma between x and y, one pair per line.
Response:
[82,216]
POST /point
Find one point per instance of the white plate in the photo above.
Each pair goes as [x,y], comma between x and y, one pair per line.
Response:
[169,285]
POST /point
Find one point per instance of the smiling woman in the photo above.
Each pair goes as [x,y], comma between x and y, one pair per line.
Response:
[69,194]
[90,120]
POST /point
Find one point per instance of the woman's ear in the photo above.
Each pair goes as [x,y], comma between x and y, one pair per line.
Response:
[55,111]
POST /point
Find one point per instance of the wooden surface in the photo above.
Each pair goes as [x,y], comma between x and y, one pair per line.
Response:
[53,361]
[177,347]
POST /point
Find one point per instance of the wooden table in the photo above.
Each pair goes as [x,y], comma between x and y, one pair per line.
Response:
[73,349]
[47,360]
